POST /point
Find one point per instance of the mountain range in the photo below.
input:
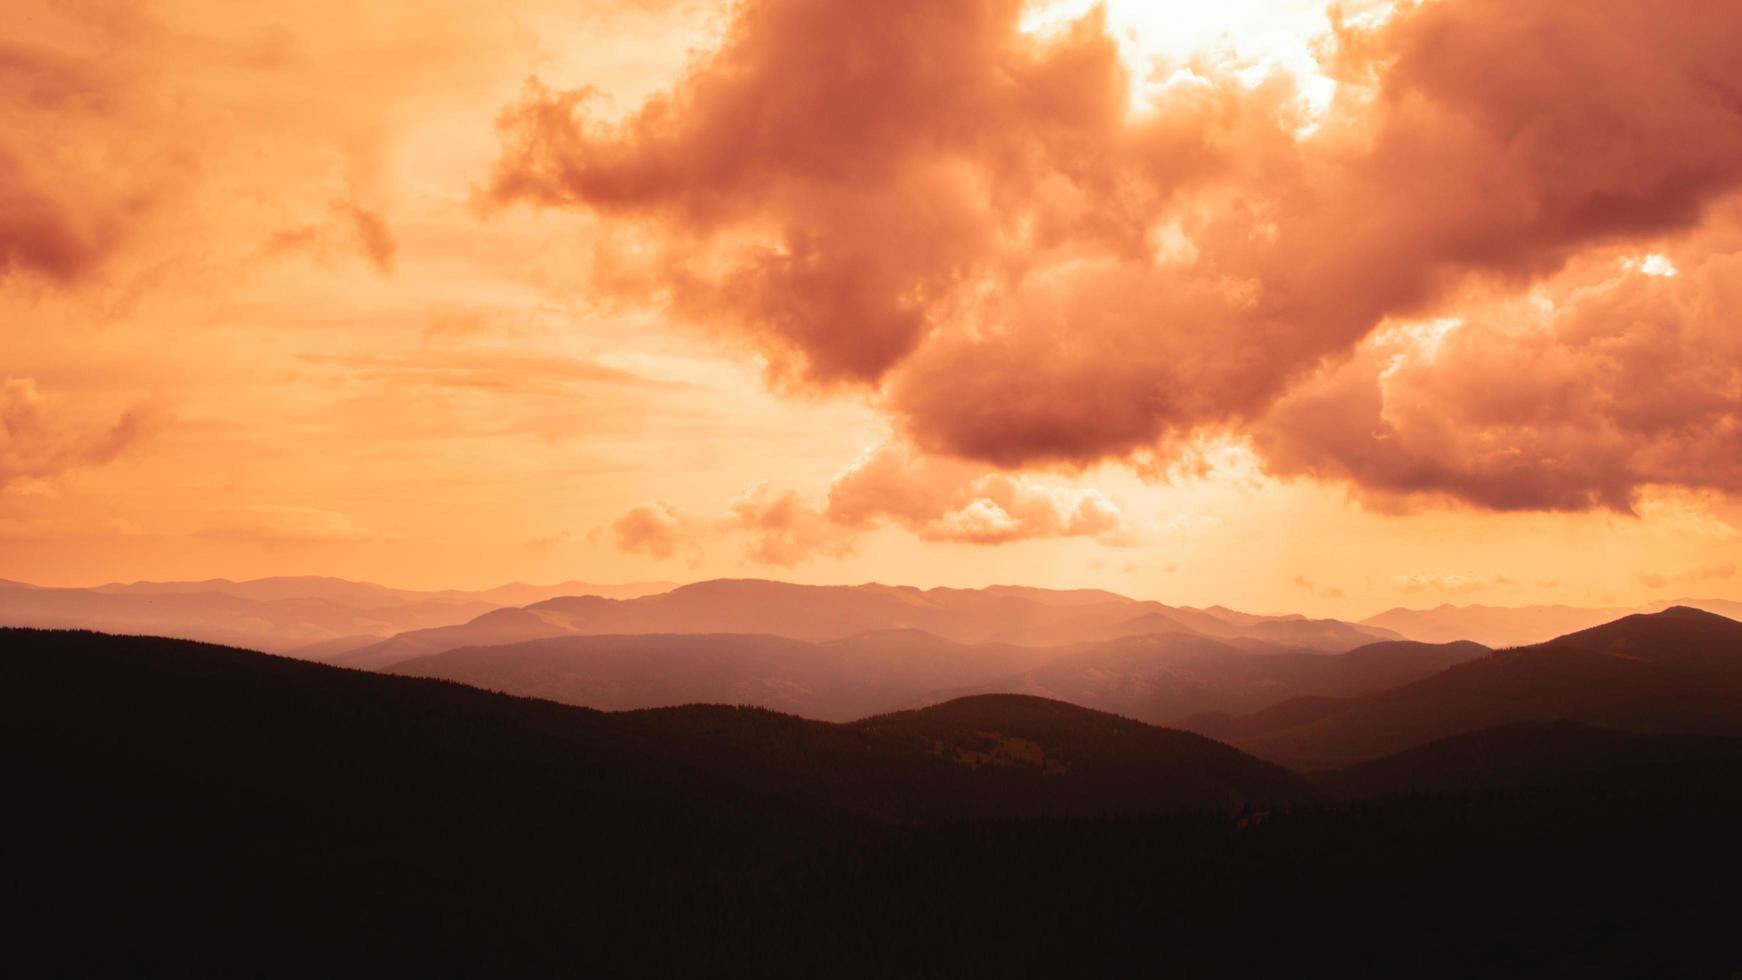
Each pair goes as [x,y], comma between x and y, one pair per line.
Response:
[1510,626]
[282,614]
[1006,615]
[324,618]
[1677,671]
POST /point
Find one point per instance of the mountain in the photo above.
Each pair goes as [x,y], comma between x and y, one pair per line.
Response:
[1678,671]
[1534,755]
[1167,677]
[311,615]
[1493,626]
[1509,626]
[838,680]
[370,595]
[494,628]
[1123,766]
[998,615]
[142,697]
[266,623]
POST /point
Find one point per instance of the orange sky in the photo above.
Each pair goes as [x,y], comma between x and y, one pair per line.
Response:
[1253,305]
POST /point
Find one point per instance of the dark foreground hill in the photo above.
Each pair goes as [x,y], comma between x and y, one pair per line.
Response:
[1674,672]
[183,809]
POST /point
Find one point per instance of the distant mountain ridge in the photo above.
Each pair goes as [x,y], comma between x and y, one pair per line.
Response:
[1506,626]
[285,614]
[1000,615]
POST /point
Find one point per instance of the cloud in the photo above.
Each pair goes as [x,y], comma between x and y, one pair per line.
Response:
[1704,573]
[943,500]
[936,499]
[656,529]
[289,524]
[550,542]
[1323,592]
[64,203]
[349,227]
[971,222]
[35,445]
[482,368]
[785,530]
[1605,381]
[1451,583]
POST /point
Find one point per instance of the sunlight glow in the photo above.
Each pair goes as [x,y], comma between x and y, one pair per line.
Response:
[1252,38]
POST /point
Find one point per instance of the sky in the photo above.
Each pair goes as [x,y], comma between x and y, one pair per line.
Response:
[1277,305]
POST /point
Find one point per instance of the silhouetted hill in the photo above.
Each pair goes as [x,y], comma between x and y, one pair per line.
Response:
[140,696]
[182,809]
[1678,671]
[1123,766]
[839,680]
[1167,677]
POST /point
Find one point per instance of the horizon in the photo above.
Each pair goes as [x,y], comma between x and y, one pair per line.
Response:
[1654,604]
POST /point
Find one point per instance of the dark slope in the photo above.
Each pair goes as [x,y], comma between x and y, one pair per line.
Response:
[834,681]
[177,809]
[1166,678]
[1678,671]
[1565,756]
[146,701]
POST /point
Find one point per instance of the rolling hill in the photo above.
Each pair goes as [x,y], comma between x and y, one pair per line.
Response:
[1167,677]
[837,680]
[199,809]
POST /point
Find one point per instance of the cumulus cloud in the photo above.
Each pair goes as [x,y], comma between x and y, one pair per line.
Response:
[35,445]
[944,500]
[1605,380]
[785,530]
[971,221]
[655,529]
[936,499]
